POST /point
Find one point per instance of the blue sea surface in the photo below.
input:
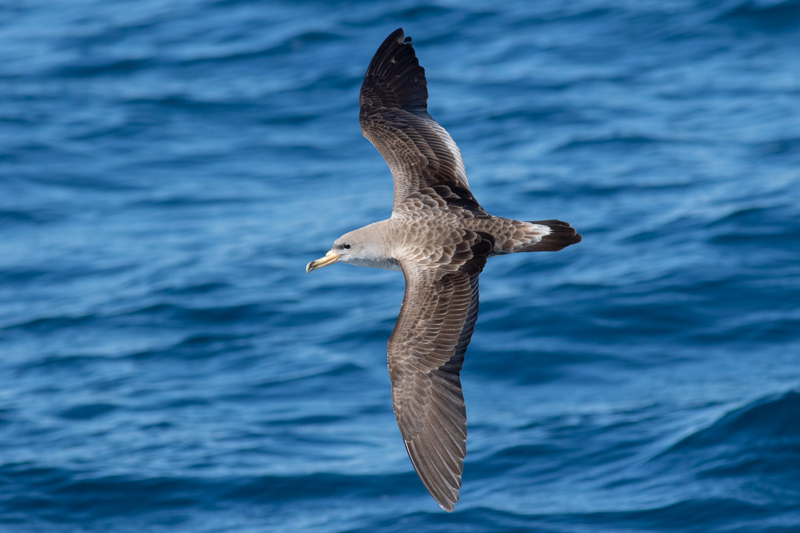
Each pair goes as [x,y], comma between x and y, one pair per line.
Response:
[167,169]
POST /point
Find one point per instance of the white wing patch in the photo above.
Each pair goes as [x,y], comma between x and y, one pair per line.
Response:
[461,172]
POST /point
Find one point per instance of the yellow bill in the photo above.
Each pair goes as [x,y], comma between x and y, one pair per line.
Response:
[329,259]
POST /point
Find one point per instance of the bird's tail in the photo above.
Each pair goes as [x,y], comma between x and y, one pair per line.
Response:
[561,235]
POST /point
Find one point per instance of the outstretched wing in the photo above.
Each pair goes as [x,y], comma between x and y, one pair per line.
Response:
[424,160]
[426,353]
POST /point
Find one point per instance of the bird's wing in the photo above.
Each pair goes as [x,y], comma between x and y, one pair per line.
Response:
[424,160]
[426,353]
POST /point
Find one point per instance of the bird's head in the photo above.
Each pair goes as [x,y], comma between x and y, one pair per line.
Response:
[363,247]
[346,249]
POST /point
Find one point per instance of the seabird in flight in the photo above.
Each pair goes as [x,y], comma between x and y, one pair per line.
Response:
[440,237]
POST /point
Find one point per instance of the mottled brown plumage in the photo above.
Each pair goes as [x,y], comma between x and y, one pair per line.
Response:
[440,237]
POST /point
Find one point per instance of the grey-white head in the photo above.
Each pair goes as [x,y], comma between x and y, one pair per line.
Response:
[366,247]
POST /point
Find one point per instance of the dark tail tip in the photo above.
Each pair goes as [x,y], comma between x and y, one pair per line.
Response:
[561,236]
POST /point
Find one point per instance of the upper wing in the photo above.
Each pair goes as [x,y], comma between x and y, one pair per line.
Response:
[424,160]
[426,353]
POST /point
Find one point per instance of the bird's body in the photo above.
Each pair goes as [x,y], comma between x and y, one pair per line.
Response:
[440,237]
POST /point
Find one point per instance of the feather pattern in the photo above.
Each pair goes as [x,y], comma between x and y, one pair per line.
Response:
[426,354]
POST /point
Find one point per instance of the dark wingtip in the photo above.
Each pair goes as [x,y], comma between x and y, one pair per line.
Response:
[394,77]
[396,36]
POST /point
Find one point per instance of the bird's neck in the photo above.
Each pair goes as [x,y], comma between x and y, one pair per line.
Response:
[379,238]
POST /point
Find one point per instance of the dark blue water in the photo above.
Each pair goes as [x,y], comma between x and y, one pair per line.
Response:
[167,169]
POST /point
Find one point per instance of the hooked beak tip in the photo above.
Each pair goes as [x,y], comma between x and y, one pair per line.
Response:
[329,259]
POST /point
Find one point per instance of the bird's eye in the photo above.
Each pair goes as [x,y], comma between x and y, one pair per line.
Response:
[346,246]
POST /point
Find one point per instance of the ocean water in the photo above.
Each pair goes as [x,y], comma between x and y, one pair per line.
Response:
[167,169]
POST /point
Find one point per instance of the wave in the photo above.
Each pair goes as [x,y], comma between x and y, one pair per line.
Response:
[770,422]
[621,141]
[72,494]
[88,66]
[682,515]
[772,15]
[784,146]
[162,311]
[87,411]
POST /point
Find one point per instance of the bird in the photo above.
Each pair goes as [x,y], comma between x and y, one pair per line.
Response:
[440,237]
